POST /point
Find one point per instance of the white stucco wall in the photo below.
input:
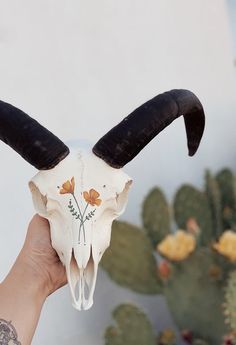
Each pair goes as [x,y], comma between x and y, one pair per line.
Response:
[231,4]
[79,67]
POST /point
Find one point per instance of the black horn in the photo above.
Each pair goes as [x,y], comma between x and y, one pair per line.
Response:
[33,142]
[123,142]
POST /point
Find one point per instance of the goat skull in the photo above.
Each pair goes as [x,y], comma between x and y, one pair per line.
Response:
[81,191]
[80,197]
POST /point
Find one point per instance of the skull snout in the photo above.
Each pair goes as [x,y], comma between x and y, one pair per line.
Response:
[82,280]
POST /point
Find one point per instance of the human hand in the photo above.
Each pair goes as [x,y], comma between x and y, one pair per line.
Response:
[40,259]
[36,274]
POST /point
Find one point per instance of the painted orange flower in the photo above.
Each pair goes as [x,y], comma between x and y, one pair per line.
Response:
[68,187]
[92,197]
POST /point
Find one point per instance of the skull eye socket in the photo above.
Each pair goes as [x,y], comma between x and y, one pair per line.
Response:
[39,200]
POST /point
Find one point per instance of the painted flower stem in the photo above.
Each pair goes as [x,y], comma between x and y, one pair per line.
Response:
[82,224]
[91,197]
[77,205]
[81,219]
[84,212]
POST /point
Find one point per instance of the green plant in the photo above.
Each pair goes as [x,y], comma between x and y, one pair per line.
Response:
[194,293]
[214,200]
[230,301]
[156,216]
[132,327]
[192,203]
[129,260]
[226,181]
[194,273]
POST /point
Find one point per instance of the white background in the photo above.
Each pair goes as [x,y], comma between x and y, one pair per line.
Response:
[79,67]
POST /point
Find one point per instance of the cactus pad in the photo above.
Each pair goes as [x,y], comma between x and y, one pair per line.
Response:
[195,299]
[132,327]
[214,198]
[156,216]
[129,260]
[227,185]
[191,203]
[230,301]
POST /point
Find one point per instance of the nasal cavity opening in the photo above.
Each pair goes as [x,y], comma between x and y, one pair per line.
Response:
[73,266]
[82,278]
[89,276]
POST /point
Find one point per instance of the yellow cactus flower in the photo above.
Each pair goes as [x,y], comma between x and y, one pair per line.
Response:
[178,246]
[227,245]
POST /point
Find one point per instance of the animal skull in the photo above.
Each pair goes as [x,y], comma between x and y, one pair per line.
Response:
[80,197]
[82,190]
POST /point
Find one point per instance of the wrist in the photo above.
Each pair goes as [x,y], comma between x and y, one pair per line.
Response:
[21,300]
[23,276]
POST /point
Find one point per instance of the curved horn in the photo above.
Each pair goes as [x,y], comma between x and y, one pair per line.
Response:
[32,141]
[123,142]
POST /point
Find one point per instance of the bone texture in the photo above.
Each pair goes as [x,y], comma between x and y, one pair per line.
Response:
[123,142]
[33,142]
[80,197]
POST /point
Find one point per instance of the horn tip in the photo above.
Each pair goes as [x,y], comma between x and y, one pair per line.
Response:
[192,152]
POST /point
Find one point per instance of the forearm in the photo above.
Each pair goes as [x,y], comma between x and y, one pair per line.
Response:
[21,301]
[36,274]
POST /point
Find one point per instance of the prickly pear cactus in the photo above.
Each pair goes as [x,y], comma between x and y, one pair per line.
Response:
[191,203]
[132,327]
[194,283]
[195,295]
[230,301]
[129,260]
[227,185]
[156,216]
[214,199]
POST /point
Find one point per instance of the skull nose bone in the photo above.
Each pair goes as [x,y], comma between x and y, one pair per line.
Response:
[82,282]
